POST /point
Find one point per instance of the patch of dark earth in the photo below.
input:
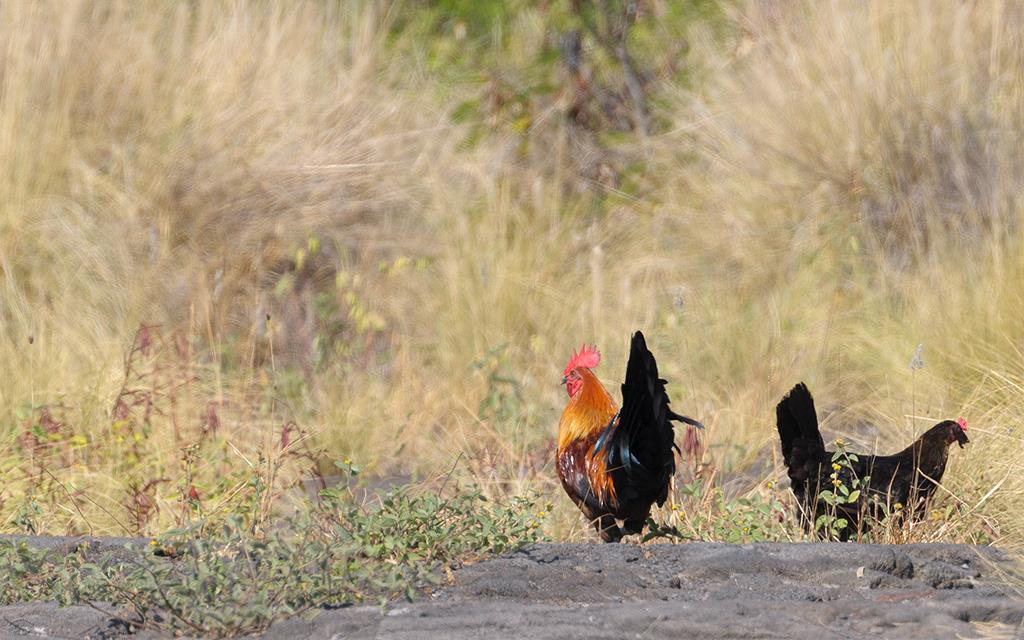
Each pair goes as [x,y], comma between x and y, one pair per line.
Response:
[696,590]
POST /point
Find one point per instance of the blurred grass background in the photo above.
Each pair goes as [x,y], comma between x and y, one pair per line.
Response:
[241,241]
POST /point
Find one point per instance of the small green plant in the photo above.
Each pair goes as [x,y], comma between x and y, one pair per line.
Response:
[228,581]
[844,495]
[504,400]
[705,513]
[34,574]
[27,516]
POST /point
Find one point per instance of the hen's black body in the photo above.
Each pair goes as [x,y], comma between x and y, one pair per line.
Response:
[908,477]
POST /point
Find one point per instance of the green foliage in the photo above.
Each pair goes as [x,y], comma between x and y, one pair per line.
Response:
[843,497]
[705,513]
[504,400]
[425,529]
[34,574]
[231,582]
[518,53]
[27,514]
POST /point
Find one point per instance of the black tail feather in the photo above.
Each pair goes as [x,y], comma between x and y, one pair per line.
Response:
[797,421]
[672,415]
[802,447]
[641,446]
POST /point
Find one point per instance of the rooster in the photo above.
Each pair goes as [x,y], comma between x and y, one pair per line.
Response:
[907,478]
[616,463]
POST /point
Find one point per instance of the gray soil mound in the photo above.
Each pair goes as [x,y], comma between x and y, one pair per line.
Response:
[697,590]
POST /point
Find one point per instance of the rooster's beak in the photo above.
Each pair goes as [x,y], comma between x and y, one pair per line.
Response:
[564,380]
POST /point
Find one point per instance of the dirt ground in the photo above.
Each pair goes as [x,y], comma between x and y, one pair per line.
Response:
[696,590]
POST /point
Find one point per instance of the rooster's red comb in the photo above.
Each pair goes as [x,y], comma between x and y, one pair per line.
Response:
[587,357]
[962,423]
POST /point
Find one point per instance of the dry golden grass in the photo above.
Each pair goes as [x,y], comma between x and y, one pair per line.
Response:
[838,185]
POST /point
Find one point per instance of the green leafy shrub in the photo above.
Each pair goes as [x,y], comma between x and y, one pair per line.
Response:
[843,496]
[230,582]
[704,512]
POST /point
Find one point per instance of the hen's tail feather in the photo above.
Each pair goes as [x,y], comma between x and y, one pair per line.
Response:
[797,422]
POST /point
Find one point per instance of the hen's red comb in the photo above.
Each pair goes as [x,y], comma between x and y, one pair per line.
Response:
[587,357]
[962,423]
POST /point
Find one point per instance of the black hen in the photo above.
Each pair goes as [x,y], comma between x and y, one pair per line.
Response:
[908,477]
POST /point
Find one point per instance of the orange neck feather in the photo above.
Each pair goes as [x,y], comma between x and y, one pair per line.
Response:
[587,412]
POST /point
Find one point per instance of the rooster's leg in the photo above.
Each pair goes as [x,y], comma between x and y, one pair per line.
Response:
[608,529]
[634,525]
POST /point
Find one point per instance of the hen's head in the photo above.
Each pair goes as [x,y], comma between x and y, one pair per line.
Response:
[587,357]
[951,431]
